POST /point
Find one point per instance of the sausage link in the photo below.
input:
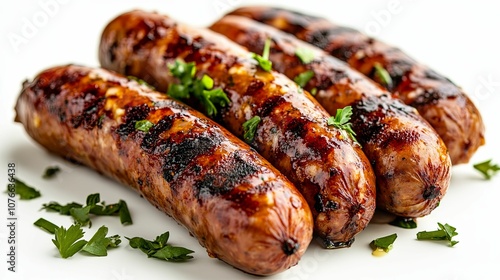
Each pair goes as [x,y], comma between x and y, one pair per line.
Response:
[442,103]
[410,161]
[231,199]
[331,172]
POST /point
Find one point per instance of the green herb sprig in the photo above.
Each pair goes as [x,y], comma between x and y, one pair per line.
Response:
[159,248]
[384,243]
[341,121]
[249,128]
[263,60]
[445,232]
[24,191]
[487,168]
[202,89]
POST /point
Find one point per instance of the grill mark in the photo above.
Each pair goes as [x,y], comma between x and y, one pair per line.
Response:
[270,104]
[254,87]
[93,104]
[132,115]
[297,127]
[152,142]
[322,206]
[185,152]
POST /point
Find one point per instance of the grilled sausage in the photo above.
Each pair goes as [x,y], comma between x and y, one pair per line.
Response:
[239,206]
[410,161]
[331,172]
[443,104]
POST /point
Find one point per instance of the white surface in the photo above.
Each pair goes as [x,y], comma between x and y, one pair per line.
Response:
[458,39]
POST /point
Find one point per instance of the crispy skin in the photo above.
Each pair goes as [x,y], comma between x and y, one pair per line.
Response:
[410,161]
[331,172]
[239,207]
[442,103]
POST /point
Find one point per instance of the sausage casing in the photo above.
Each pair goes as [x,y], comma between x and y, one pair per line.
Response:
[410,161]
[442,103]
[239,207]
[331,172]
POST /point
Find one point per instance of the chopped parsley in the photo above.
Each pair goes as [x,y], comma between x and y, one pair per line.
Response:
[382,75]
[51,171]
[341,121]
[445,232]
[303,78]
[404,222]
[305,55]
[160,249]
[143,125]
[24,191]
[81,214]
[201,89]
[263,59]
[68,241]
[383,244]
[487,168]
[98,245]
[249,128]
[46,225]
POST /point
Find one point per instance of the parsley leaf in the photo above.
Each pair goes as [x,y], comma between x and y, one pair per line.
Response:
[263,59]
[305,55]
[68,241]
[303,78]
[160,249]
[24,191]
[143,125]
[404,222]
[249,128]
[201,89]
[382,75]
[81,214]
[487,168]
[99,243]
[445,232]
[384,244]
[140,81]
[51,171]
[341,121]
[46,225]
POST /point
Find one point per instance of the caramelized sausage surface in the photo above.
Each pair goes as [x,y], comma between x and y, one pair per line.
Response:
[411,162]
[442,103]
[330,171]
[239,207]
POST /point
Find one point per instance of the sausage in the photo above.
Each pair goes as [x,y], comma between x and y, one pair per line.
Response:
[330,171]
[231,199]
[410,161]
[442,103]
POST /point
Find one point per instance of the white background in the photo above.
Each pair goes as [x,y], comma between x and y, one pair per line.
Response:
[458,38]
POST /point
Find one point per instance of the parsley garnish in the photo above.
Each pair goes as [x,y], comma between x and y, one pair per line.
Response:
[68,241]
[99,243]
[160,249]
[305,55]
[314,91]
[404,222]
[201,89]
[445,232]
[384,244]
[303,78]
[140,81]
[24,191]
[382,75]
[46,225]
[263,59]
[81,214]
[51,171]
[143,125]
[249,128]
[487,168]
[341,121]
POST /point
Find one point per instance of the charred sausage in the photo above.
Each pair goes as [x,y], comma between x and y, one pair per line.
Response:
[442,103]
[410,161]
[331,171]
[238,205]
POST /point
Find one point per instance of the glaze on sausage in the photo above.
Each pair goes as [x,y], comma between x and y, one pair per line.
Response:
[239,207]
[330,171]
[410,161]
[442,103]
